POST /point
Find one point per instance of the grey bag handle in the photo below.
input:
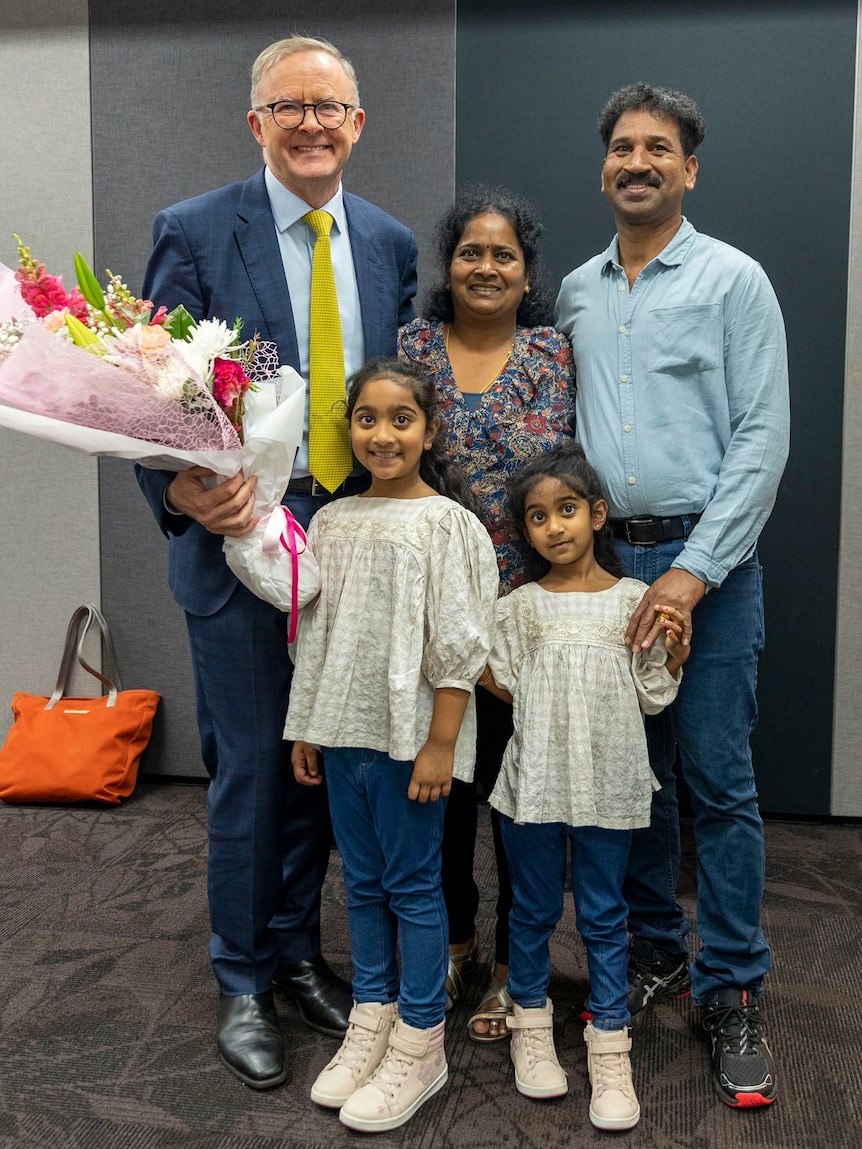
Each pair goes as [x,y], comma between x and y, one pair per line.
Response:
[75,632]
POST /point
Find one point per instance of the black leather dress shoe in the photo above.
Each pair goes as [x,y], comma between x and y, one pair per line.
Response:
[250,1042]
[322,998]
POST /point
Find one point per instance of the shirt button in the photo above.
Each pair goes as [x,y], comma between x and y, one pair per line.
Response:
[622,331]
[624,378]
[621,287]
[632,480]
[627,427]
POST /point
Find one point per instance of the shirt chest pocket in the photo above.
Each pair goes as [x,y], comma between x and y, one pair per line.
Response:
[685,340]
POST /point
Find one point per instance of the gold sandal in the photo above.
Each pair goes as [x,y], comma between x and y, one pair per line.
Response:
[459,966]
[498,993]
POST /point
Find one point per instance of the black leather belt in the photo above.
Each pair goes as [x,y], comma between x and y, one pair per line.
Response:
[647,530]
[308,485]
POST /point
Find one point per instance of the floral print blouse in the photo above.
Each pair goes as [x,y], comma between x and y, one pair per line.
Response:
[529,409]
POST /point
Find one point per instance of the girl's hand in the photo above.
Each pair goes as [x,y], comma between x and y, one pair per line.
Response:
[305,759]
[432,773]
[676,625]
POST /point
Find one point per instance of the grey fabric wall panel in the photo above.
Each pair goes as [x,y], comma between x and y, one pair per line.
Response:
[49,563]
[49,560]
[169,98]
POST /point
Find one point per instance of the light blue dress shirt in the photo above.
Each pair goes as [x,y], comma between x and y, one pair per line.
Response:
[296,242]
[682,391]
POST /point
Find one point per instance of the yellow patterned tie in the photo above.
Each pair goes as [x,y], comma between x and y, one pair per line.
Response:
[329,457]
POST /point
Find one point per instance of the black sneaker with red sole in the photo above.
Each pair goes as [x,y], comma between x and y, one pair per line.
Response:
[743,1070]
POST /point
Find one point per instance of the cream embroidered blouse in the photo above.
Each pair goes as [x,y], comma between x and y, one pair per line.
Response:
[579,753]
[407,602]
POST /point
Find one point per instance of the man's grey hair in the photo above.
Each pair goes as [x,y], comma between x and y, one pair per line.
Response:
[289,47]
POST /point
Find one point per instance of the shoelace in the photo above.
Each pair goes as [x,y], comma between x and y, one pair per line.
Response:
[357,1046]
[390,1073]
[609,1072]
[538,1045]
[738,1029]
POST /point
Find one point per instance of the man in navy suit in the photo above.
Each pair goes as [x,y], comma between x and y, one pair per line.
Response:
[245,250]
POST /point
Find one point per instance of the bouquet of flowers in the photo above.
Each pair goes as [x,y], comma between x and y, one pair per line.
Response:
[108,374]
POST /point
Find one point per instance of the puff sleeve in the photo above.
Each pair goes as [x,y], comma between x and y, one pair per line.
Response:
[460,603]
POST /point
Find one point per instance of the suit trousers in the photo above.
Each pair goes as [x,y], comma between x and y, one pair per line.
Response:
[269,837]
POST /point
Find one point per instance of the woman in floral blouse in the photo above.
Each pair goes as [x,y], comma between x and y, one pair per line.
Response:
[506,389]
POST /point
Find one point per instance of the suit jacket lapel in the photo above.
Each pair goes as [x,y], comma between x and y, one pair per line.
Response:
[258,245]
[369,274]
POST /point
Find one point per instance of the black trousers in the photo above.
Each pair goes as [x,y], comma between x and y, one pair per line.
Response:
[494,729]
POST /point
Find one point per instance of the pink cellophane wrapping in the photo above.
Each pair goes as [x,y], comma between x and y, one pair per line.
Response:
[52,378]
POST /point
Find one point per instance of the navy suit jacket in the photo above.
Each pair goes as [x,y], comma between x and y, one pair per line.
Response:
[218,255]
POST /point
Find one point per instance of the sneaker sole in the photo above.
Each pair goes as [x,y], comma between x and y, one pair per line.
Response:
[745,1100]
[541,1091]
[618,1123]
[328,1100]
[364,1125]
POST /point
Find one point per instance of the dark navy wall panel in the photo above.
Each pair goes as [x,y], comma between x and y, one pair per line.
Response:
[775,81]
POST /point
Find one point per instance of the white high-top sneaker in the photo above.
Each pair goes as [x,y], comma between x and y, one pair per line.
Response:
[359,1055]
[538,1073]
[614,1104]
[413,1069]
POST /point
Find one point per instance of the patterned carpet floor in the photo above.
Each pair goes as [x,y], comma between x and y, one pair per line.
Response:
[107,1006]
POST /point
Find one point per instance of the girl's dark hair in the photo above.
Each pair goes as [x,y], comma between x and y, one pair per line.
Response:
[435,467]
[537,306]
[568,464]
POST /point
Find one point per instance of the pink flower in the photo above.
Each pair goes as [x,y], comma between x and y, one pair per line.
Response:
[158,318]
[230,382]
[78,305]
[153,344]
[45,293]
[54,321]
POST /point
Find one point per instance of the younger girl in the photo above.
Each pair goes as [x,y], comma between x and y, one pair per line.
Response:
[576,769]
[386,662]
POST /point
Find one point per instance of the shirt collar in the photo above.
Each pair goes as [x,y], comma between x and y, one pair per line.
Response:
[671,256]
[288,208]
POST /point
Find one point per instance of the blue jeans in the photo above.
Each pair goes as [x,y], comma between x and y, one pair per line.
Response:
[537,864]
[390,849]
[708,726]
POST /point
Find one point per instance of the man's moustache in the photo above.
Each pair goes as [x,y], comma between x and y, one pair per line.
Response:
[651,181]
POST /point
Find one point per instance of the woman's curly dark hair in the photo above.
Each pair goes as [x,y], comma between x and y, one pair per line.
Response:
[537,306]
[436,467]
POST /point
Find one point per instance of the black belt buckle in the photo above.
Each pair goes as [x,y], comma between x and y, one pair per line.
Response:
[642,524]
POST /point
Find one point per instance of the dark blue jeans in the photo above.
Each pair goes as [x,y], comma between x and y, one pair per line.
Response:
[708,727]
[537,864]
[390,851]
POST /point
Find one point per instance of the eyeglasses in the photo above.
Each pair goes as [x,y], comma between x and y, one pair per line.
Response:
[329,113]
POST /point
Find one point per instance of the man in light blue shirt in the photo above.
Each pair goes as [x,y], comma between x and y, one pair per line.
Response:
[682,405]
